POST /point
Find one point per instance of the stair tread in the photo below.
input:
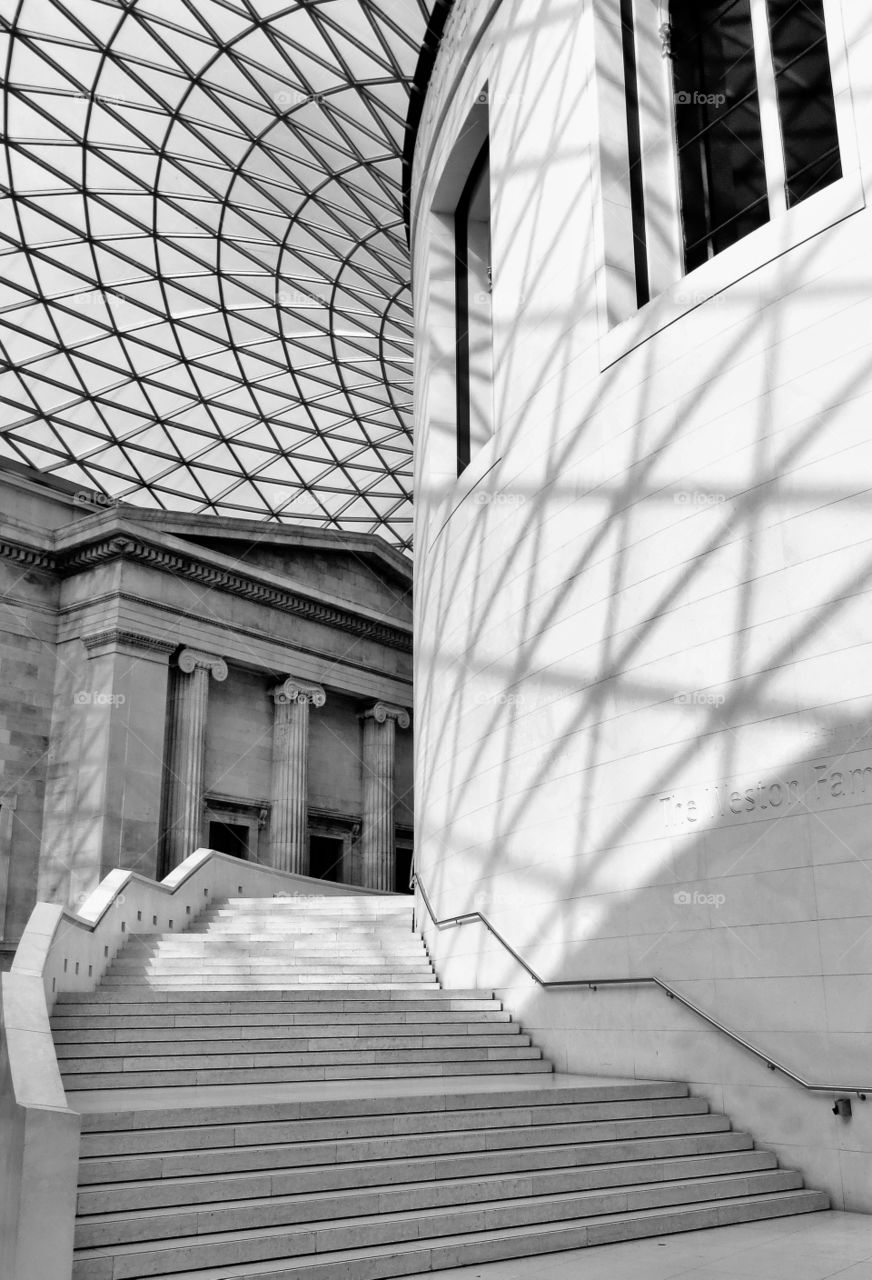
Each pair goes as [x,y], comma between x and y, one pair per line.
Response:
[459,1184]
[364,1165]
[227,1237]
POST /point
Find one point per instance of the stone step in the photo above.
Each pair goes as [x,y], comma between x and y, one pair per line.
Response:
[164,1192]
[260,1045]
[314,945]
[195,966]
[411,1253]
[78,997]
[279,1056]
[278,936]
[189,1137]
[525,1099]
[432,1032]
[105,1026]
[101,1229]
[376,1070]
[305,920]
[286,962]
[393,1147]
[296,1005]
[388,1228]
[315,904]
[268,983]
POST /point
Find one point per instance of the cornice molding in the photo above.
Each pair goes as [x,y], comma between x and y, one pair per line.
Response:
[116,637]
[21,553]
[181,565]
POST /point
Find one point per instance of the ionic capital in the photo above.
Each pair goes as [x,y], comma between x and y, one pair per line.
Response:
[383,711]
[294,690]
[190,659]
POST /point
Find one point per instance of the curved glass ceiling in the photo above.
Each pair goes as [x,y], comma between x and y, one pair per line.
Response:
[204,280]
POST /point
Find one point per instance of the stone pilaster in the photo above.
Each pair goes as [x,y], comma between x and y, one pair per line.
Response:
[187,753]
[289,844]
[378,835]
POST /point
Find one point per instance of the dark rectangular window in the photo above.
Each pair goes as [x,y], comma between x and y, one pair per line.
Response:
[806,105]
[472,221]
[229,837]
[722,171]
[634,149]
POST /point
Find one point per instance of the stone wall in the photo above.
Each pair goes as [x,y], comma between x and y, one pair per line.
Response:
[644,689]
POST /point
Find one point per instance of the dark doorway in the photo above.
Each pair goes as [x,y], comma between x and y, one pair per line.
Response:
[325,857]
[229,837]
[403,865]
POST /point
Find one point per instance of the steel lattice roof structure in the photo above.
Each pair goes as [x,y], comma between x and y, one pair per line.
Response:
[204,297]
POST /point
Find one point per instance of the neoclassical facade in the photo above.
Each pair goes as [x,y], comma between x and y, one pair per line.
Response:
[171,682]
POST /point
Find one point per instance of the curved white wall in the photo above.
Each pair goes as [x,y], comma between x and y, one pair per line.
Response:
[644,620]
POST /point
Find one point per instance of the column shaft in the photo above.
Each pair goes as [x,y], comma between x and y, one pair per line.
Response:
[187,755]
[290,783]
[289,815]
[378,837]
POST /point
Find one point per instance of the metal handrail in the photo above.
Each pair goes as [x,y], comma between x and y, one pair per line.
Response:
[471,917]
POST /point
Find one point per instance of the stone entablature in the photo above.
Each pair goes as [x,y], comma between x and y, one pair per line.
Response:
[206,568]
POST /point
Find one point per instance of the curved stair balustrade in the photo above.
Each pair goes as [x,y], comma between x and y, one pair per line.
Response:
[67,951]
[592,984]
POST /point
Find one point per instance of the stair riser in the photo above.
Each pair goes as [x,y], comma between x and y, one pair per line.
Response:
[131,1142]
[298,1155]
[355,999]
[342,1044]
[87,1033]
[280,1058]
[93,1231]
[289,1075]
[157,1193]
[532,1243]
[449,1219]
[526,1096]
[296,1008]
[267,982]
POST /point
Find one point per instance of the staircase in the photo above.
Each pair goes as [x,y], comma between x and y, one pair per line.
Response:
[421,1129]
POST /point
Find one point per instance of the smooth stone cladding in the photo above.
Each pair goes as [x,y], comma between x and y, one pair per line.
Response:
[99,604]
[644,738]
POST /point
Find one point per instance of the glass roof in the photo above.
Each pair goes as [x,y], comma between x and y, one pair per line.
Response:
[204,298]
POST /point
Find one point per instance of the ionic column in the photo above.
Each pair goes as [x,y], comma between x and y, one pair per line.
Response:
[188,751]
[289,824]
[378,836]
